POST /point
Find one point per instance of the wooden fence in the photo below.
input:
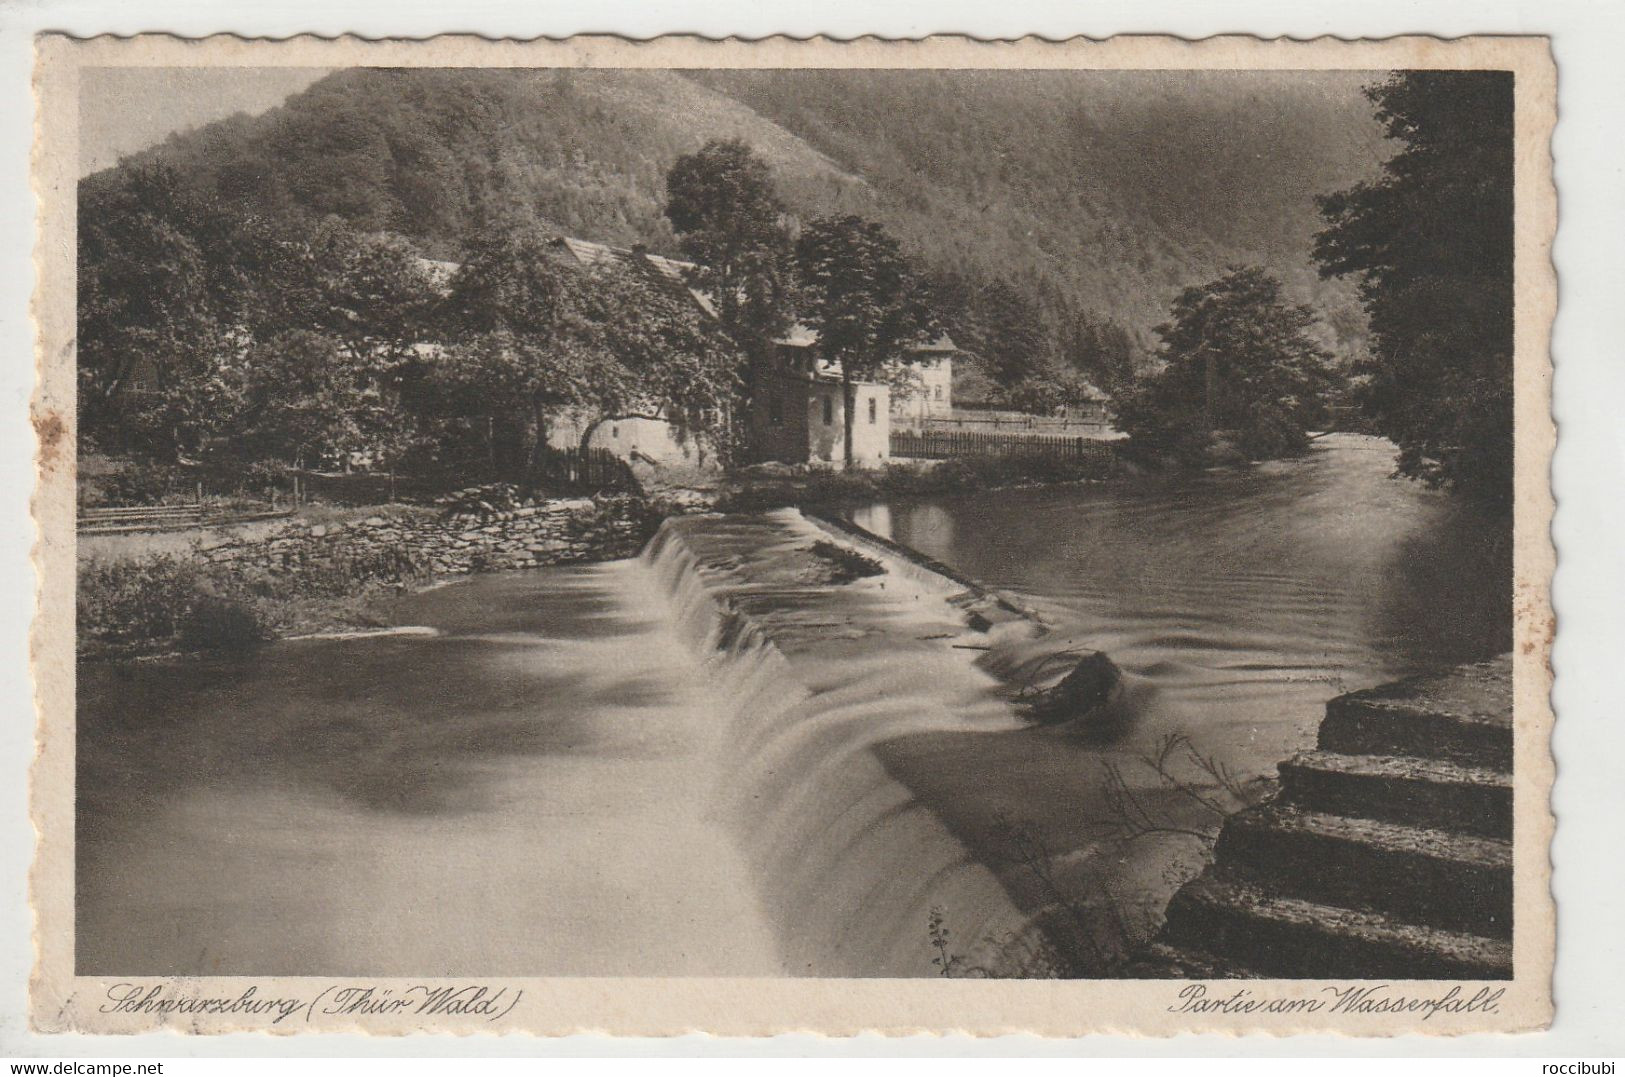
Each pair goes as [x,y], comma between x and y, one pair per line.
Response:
[118,519]
[944,445]
[587,471]
[1002,422]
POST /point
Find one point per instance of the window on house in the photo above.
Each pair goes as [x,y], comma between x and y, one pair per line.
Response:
[939,392]
[615,430]
[872,407]
[829,410]
[775,409]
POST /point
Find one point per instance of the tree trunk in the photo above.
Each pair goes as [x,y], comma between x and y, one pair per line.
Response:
[849,398]
[532,436]
[1210,385]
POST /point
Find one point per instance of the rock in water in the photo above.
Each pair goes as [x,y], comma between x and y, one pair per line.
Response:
[1084,690]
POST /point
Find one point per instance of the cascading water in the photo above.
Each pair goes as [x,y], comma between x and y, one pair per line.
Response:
[719,759]
[589,771]
[849,864]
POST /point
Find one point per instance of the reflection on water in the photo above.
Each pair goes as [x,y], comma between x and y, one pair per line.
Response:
[1247,598]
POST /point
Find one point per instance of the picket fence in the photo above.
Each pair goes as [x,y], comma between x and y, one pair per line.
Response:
[947,444]
[588,471]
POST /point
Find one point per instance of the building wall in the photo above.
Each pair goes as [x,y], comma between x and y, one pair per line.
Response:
[929,395]
[797,420]
[871,432]
[778,419]
[632,439]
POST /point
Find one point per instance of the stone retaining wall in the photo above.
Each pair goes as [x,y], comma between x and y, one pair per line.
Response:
[551,533]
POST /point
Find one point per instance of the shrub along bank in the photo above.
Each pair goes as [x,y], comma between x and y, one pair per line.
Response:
[776,485]
[304,577]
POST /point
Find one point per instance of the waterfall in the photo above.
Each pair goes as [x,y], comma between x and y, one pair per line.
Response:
[849,863]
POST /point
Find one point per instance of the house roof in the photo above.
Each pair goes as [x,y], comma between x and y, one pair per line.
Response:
[801,336]
[669,274]
[665,273]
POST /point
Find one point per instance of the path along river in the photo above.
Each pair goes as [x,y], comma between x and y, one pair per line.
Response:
[535,788]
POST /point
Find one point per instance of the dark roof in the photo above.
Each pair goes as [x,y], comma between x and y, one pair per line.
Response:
[668,274]
[664,273]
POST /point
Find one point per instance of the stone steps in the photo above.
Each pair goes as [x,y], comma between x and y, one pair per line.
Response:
[1463,716]
[1425,876]
[1401,789]
[1387,852]
[1294,938]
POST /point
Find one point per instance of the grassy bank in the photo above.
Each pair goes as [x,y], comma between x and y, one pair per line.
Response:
[161,602]
[229,591]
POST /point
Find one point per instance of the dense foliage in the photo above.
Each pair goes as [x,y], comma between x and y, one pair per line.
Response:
[208,333]
[1430,242]
[212,337]
[1053,198]
[1238,360]
[157,601]
[861,297]
[723,205]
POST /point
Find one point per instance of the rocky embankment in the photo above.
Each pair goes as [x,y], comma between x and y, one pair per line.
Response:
[1387,853]
[467,539]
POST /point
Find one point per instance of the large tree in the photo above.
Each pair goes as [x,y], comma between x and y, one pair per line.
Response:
[155,307]
[862,298]
[534,339]
[1431,243]
[1238,359]
[672,361]
[218,313]
[521,347]
[730,223]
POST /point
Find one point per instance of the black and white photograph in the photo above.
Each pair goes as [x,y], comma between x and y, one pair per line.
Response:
[860,523]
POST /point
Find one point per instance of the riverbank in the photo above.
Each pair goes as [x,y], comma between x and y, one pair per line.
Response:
[337,569]
[247,586]
[770,486]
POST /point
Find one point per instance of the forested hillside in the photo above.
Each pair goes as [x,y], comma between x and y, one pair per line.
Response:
[1045,203]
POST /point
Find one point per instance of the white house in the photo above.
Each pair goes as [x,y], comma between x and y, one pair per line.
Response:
[797,411]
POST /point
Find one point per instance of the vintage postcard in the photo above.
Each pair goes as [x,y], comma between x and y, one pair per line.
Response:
[778,536]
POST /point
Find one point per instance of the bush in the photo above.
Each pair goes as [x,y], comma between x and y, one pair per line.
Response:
[138,603]
[135,601]
[221,623]
[825,487]
[135,481]
[131,604]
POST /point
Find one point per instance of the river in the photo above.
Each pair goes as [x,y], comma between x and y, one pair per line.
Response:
[562,775]
[1249,597]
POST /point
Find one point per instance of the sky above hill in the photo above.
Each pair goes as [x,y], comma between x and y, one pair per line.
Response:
[123,110]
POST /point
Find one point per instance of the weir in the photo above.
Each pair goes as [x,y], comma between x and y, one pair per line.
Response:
[818,673]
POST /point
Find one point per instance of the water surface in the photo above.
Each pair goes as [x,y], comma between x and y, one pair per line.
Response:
[1246,598]
[528,793]
[584,772]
